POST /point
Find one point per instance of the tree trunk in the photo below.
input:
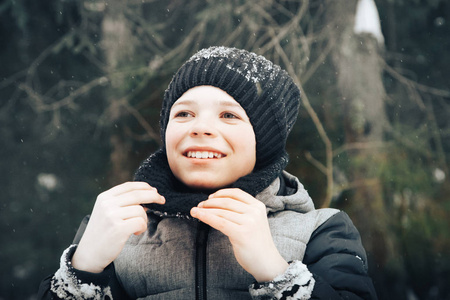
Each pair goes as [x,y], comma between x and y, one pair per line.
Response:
[118,44]
[358,65]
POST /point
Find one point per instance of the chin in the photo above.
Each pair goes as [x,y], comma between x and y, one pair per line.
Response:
[205,185]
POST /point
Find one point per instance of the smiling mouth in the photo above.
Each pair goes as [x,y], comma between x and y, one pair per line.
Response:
[204,154]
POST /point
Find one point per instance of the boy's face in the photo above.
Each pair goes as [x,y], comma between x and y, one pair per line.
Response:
[210,141]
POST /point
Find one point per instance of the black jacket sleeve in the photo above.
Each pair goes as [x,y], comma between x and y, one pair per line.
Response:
[337,259]
[105,279]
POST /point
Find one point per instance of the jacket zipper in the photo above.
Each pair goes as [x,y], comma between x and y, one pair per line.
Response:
[200,261]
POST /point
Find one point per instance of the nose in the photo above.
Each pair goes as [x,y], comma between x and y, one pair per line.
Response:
[202,127]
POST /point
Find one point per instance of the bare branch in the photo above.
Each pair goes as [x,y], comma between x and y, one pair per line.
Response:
[322,133]
[41,100]
[322,168]
[359,183]
[135,113]
[316,64]
[359,146]
[437,138]
[11,79]
[416,85]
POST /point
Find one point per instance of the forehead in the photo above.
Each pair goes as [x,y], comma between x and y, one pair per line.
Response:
[200,95]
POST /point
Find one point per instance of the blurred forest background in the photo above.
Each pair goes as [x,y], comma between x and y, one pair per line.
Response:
[81,84]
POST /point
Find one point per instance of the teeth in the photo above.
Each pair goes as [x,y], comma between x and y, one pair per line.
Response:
[203,154]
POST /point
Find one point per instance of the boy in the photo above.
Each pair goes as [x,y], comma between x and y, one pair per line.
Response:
[214,214]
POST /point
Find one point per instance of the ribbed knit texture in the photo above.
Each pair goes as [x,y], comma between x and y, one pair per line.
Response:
[267,94]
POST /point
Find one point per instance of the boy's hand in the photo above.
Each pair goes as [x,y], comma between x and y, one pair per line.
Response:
[243,219]
[116,215]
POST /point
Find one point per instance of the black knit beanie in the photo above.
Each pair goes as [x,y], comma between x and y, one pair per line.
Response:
[267,94]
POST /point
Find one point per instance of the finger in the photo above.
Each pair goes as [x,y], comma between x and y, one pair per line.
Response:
[129,212]
[135,225]
[127,187]
[226,204]
[230,216]
[218,222]
[136,197]
[236,194]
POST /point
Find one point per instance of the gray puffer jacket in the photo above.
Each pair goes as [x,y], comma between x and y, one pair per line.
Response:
[185,259]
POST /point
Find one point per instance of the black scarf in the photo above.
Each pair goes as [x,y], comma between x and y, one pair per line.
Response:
[180,198]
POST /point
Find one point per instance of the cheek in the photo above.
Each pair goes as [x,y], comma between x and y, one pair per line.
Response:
[172,139]
[172,136]
[247,144]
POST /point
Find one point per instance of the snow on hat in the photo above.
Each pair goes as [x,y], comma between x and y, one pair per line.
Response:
[265,91]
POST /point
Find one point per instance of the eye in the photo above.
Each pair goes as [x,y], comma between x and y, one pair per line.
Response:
[183,114]
[228,115]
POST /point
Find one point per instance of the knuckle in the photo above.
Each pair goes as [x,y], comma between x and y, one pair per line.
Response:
[141,184]
[102,204]
[143,215]
[109,214]
[260,205]
[253,220]
[101,197]
[115,228]
[221,224]
[142,224]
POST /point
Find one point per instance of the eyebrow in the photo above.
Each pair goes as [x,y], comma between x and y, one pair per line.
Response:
[221,102]
[183,102]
